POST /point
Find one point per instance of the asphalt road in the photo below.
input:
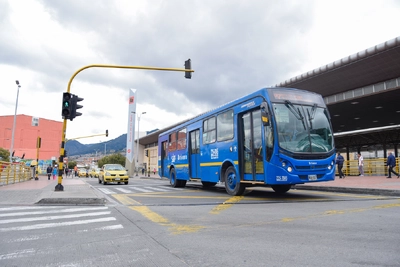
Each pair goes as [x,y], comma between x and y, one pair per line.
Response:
[148,223]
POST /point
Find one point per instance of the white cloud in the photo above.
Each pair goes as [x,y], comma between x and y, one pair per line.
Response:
[236,47]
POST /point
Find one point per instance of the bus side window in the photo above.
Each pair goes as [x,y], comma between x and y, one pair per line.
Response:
[172,142]
[225,126]
[182,139]
[209,132]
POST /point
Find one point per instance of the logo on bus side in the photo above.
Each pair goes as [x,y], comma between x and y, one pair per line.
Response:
[180,157]
[248,105]
[214,153]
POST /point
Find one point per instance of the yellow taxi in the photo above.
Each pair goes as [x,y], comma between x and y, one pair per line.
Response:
[82,172]
[94,173]
[113,173]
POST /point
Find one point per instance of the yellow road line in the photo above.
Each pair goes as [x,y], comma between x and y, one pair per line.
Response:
[173,227]
[226,205]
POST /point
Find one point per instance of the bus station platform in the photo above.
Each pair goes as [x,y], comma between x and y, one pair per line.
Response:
[78,192]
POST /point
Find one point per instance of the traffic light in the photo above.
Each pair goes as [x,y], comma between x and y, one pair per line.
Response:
[188,66]
[106,133]
[146,153]
[38,142]
[66,106]
[74,106]
[65,153]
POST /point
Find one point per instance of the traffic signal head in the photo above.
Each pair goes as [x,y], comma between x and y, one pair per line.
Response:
[188,66]
[66,106]
[106,133]
[74,106]
[146,153]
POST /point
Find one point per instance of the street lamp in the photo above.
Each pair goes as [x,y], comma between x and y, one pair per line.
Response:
[15,121]
[137,140]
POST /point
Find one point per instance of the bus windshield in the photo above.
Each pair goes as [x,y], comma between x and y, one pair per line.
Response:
[303,128]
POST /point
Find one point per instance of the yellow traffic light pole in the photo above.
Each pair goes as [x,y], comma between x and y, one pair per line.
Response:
[59,186]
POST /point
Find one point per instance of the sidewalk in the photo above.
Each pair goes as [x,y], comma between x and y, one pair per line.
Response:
[42,192]
[375,185]
[78,192]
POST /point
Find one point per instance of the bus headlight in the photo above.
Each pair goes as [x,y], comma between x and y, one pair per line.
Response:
[331,166]
[289,169]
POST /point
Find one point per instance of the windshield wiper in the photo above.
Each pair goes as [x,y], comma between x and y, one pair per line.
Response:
[312,115]
[295,112]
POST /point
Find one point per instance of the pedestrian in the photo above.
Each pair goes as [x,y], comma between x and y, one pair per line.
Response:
[339,162]
[360,164]
[49,170]
[142,171]
[391,163]
[154,170]
[55,172]
[76,170]
[66,172]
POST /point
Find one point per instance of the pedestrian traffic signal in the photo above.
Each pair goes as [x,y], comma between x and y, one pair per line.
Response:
[106,133]
[188,66]
[66,106]
[75,99]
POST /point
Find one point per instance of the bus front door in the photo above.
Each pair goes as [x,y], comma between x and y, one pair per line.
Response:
[252,148]
[164,159]
[194,154]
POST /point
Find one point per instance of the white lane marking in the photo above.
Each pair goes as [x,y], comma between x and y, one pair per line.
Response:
[105,190]
[110,227]
[28,208]
[123,190]
[47,218]
[141,189]
[50,225]
[51,211]
[17,254]
[158,189]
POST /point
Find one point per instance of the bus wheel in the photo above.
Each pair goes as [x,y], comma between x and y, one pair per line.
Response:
[232,182]
[208,184]
[172,178]
[282,188]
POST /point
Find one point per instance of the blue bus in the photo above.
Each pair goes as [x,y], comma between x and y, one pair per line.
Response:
[275,137]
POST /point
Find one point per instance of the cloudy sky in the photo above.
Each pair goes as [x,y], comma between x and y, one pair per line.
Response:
[236,47]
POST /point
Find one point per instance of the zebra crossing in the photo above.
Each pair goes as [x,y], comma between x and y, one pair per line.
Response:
[29,218]
[109,190]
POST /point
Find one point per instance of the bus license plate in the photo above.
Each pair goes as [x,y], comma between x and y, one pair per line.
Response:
[312,177]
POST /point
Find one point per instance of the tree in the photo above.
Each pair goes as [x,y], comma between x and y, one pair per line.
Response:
[4,155]
[114,158]
[71,164]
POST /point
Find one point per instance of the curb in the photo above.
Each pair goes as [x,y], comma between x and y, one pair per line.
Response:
[369,191]
[72,201]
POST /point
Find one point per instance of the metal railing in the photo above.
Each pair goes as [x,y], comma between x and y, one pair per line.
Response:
[372,167]
[11,173]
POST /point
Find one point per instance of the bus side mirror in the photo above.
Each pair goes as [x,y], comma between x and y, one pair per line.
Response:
[264,114]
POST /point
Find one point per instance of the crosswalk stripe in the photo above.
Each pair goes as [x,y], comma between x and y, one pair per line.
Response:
[48,218]
[105,190]
[141,189]
[51,211]
[50,225]
[158,189]
[28,208]
[123,190]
